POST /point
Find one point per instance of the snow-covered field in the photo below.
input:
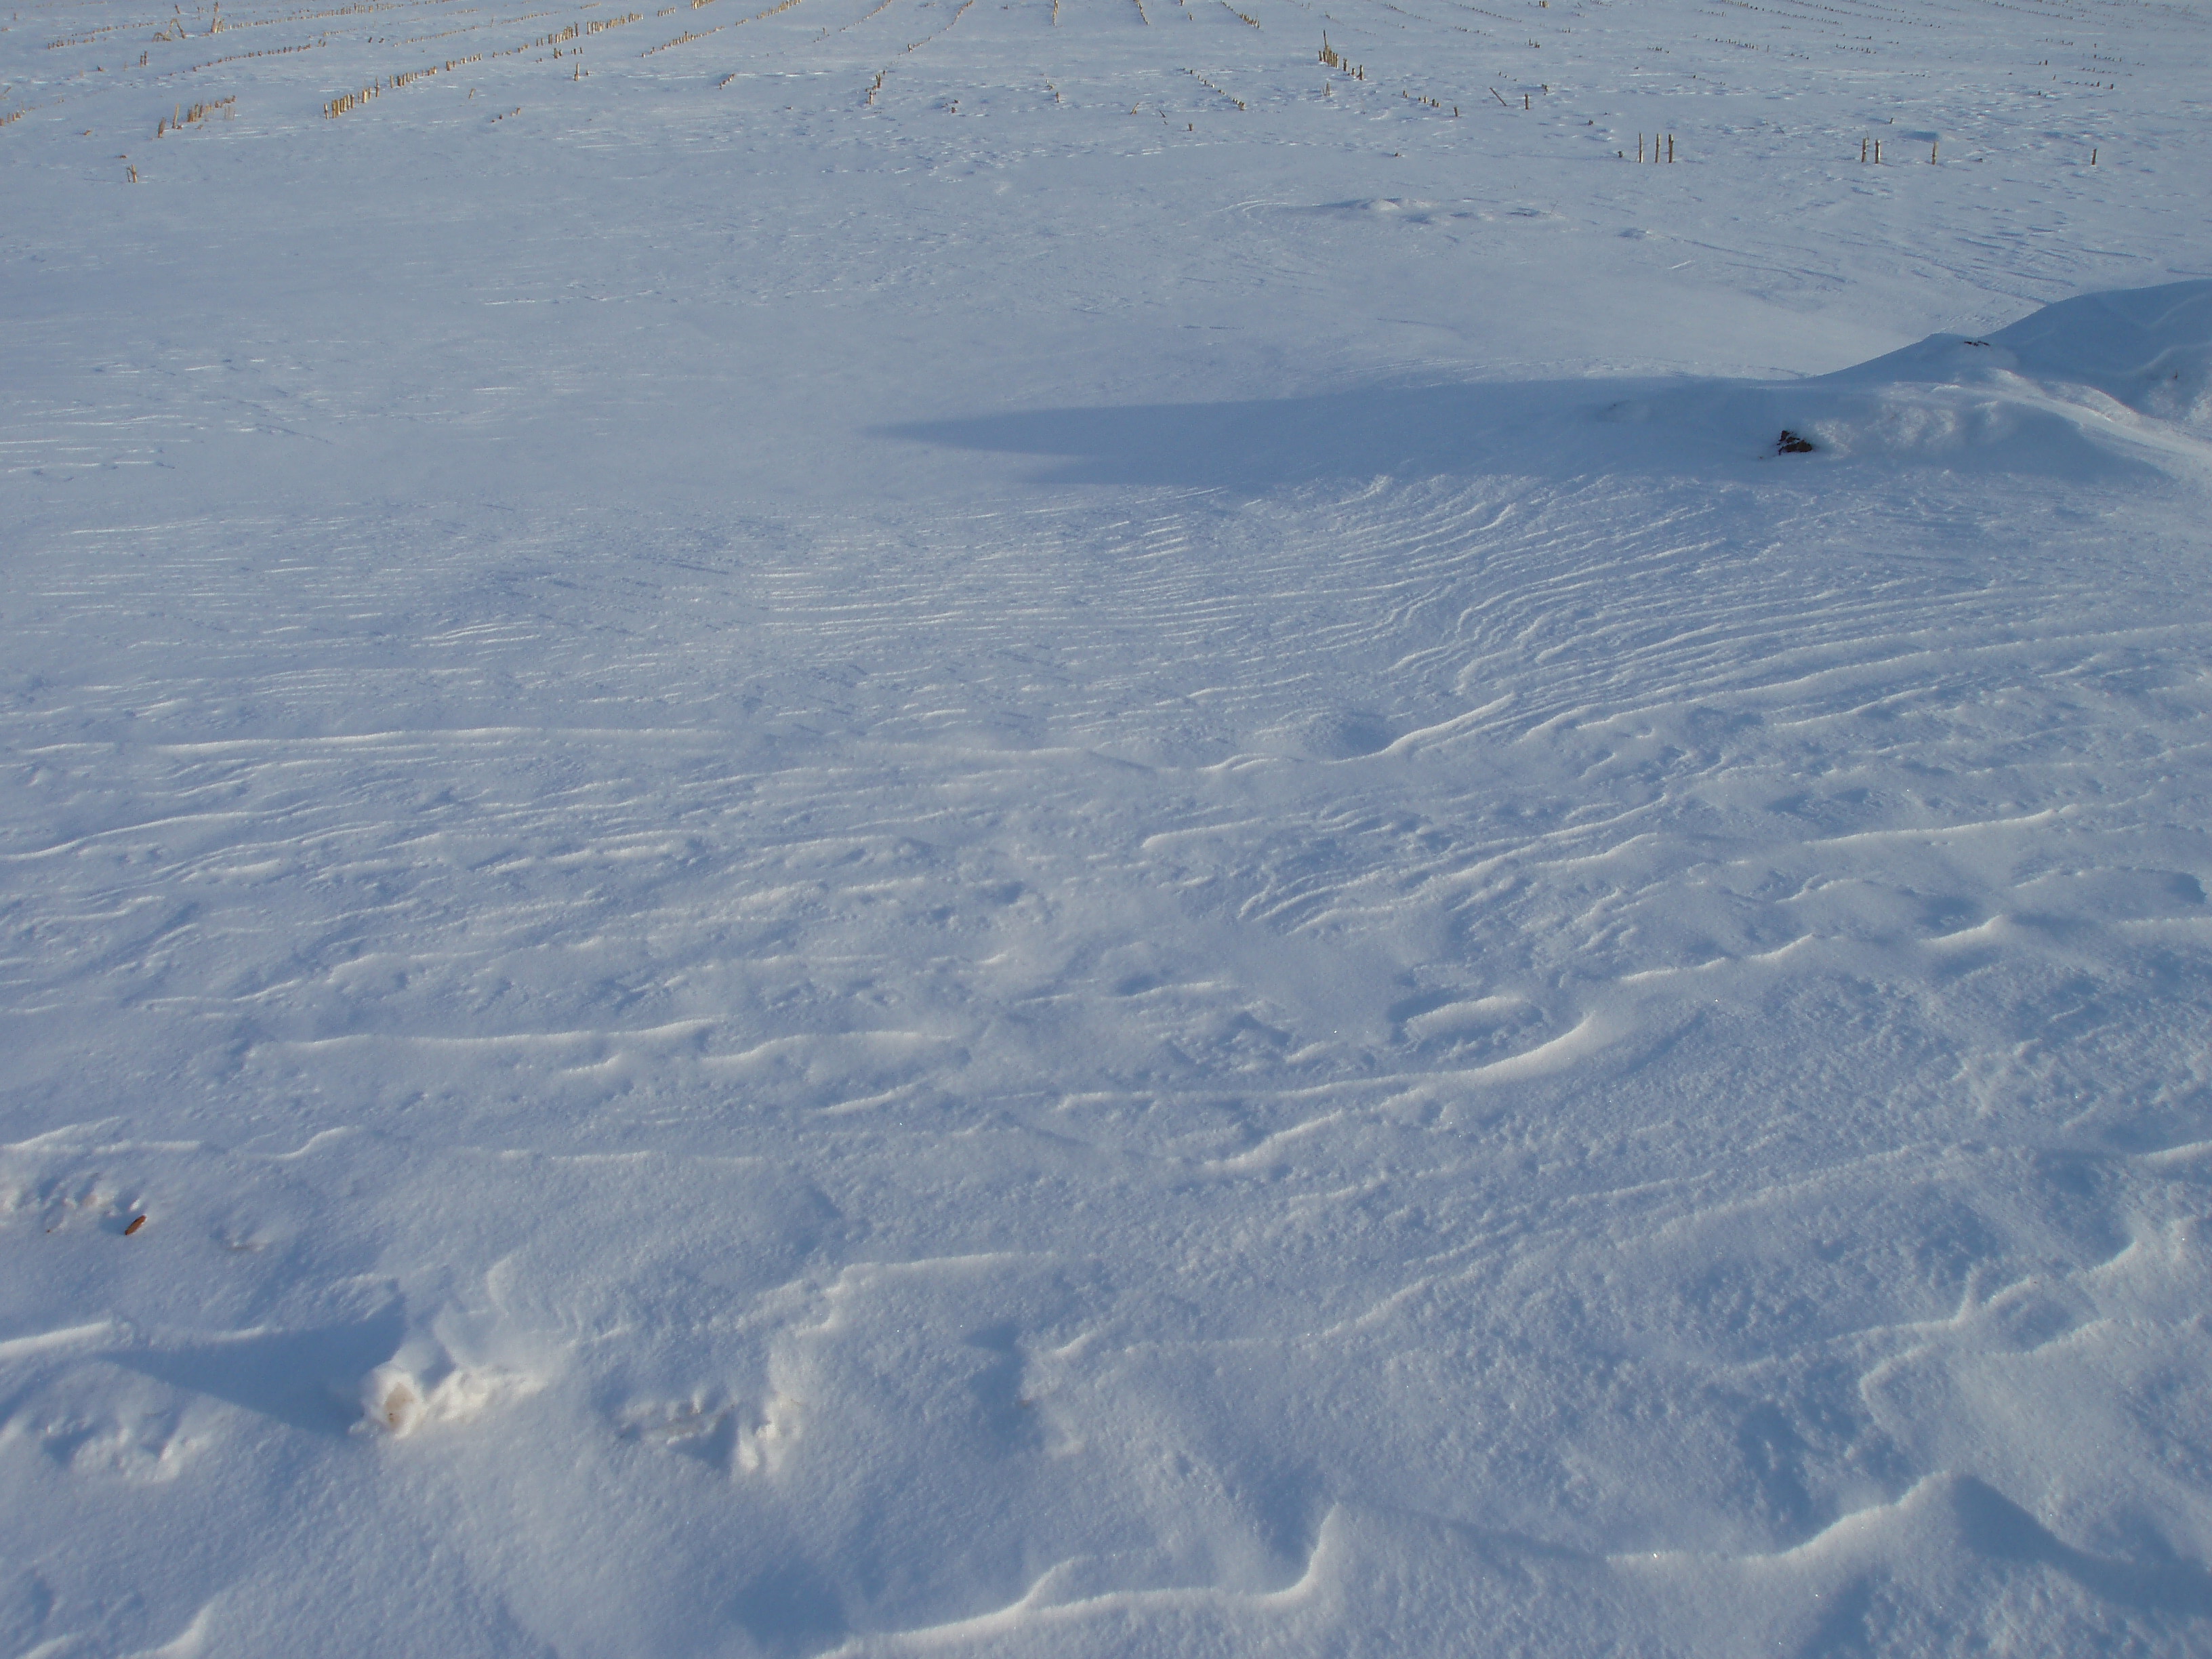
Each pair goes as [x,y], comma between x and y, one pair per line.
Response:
[1022,829]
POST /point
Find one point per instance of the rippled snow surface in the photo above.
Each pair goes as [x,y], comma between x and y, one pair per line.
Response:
[1027,828]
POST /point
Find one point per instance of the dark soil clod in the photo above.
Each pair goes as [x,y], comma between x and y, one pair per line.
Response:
[1790,444]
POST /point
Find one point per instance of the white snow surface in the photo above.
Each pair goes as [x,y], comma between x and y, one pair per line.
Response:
[969,828]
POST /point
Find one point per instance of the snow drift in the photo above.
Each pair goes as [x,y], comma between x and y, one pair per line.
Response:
[2121,377]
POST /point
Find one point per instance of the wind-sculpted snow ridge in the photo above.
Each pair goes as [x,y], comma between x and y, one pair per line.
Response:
[1058,829]
[2115,379]
[2110,383]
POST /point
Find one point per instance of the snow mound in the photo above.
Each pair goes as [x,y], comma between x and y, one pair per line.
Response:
[2096,367]
[2118,377]
[2148,349]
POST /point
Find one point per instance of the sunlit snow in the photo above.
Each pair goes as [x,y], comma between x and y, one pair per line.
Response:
[1105,827]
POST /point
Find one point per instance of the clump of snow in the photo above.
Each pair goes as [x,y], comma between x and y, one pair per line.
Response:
[396,1398]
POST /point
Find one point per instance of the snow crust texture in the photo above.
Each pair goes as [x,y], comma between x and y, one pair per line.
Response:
[1054,829]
